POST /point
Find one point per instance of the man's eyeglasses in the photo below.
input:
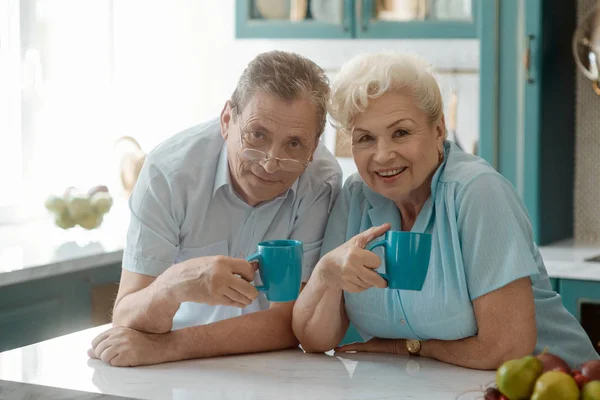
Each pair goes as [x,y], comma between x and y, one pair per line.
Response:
[255,155]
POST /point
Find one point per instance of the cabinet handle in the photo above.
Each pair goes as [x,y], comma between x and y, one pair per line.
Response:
[346,15]
[363,12]
[527,59]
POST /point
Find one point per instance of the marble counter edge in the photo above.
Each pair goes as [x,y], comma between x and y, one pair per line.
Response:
[60,267]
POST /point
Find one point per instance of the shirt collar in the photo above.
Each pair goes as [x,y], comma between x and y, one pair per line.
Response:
[222,177]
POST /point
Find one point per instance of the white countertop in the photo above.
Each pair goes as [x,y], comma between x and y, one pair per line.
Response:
[63,363]
[566,260]
[39,249]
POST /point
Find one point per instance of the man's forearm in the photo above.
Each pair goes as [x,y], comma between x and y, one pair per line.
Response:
[251,333]
[148,310]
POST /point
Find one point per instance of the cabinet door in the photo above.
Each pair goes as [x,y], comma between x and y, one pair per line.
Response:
[46,308]
[536,111]
[416,19]
[582,299]
[294,19]
[42,309]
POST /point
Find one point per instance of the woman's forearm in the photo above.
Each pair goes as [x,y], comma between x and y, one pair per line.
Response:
[476,353]
[320,320]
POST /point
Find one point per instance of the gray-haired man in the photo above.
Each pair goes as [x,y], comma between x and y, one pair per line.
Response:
[203,201]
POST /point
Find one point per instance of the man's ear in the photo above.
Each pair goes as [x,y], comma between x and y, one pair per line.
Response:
[226,118]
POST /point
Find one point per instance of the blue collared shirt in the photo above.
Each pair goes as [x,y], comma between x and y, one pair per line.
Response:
[482,241]
[183,206]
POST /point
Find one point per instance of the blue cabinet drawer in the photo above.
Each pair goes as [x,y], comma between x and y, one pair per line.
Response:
[555,282]
[575,293]
[38,310]
[42,309]
[582,299]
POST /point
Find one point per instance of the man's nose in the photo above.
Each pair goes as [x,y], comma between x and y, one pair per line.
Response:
[271,165]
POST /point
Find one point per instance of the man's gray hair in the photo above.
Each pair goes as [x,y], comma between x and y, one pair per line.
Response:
[288,76]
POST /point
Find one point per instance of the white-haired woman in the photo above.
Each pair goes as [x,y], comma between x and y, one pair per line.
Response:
[487,297]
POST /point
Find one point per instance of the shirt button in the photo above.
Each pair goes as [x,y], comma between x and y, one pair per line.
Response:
[403,321]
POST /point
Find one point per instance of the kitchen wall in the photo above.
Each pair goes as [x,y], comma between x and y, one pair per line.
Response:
[176,63]
[587,152]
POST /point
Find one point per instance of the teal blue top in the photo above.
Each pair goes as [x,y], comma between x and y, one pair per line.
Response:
[482,241]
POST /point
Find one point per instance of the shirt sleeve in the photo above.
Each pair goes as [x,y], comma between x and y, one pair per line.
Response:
[495,235]
[311,221]
[153,234]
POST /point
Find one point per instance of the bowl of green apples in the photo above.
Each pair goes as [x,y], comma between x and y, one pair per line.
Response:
[77,208]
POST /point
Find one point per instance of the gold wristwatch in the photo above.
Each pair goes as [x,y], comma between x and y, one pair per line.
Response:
[413,347]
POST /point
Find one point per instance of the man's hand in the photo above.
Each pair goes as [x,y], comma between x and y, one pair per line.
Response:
[125,347]
[215,280]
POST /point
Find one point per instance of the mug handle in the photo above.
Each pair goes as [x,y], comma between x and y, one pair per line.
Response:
[256,257]
[383,243]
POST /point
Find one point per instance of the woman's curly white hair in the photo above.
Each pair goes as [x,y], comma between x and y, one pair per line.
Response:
[371,75]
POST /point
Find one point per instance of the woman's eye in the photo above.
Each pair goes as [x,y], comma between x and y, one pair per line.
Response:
[365,138]
[400,133]
[294,144]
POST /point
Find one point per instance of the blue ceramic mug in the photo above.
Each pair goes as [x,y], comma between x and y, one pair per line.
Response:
[280,268]
[406,259]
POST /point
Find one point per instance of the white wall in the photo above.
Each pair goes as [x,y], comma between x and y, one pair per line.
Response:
[176,63]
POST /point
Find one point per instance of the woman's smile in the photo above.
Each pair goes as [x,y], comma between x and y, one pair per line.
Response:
[389,175]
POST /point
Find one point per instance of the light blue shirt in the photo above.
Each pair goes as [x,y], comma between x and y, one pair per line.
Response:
[183,206]
[482,240]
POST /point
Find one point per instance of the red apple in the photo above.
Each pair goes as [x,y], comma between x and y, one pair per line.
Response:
[581,380]
[551,362]
[492,394]
[591,370]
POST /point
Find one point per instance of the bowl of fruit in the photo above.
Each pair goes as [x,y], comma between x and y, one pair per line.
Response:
[74,207]
[545,377]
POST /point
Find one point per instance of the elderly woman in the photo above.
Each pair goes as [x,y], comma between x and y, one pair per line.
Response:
[487,297]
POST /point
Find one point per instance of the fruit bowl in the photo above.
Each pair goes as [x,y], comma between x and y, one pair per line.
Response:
[86,209]
[545,377]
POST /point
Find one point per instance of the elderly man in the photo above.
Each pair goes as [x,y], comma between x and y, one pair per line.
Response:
[203,201]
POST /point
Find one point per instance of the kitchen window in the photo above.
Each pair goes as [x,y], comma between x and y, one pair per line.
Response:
[55,90]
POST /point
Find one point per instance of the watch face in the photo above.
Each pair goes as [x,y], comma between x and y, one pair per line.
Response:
[413,346]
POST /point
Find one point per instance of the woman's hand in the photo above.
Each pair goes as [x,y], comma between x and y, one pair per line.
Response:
[350,267]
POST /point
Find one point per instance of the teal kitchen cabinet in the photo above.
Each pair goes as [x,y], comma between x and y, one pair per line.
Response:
[277,24]
[361,19]
[532,83]
[582,299]
[445,19]
[555,282]
[41,309]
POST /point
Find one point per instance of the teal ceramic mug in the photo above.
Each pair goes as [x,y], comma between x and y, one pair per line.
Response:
[280,268]
[406,259]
